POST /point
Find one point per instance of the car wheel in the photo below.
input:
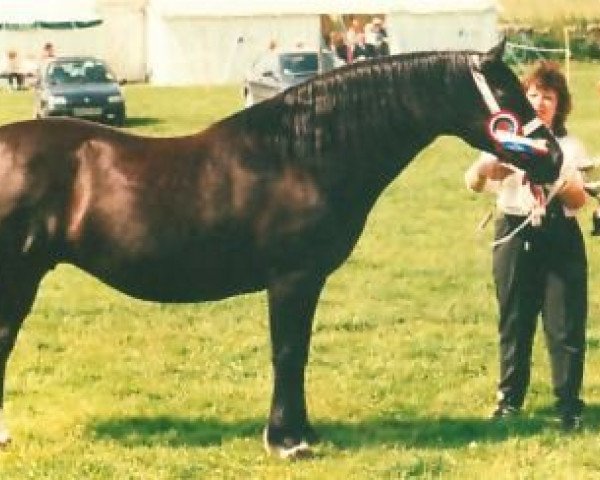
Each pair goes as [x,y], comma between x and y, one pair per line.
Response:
[119,120]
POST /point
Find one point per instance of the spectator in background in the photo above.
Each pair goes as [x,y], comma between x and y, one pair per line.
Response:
[15,73]
[376,35]
[48,54]
[48,51]
[339,46]
[353,30]
[362,50]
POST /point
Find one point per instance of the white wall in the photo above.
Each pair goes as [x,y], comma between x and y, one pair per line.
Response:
[216,49]
[199,42]
[442,31]
[122,39]
[179,42]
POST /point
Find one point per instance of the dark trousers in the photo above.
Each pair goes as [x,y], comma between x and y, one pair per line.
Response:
[541,270]
[15,80]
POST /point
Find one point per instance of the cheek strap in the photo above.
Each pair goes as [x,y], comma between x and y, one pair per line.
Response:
[531,126]
[486,92]
[492,103]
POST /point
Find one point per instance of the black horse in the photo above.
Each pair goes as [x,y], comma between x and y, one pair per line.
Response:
[273,197]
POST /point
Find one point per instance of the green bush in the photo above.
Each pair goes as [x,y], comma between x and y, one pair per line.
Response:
[582,46]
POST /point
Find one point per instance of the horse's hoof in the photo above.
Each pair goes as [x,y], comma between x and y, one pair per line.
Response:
[296,451]
[311,436]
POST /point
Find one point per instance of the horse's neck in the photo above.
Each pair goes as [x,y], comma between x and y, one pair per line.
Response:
[384,113]
[365,122]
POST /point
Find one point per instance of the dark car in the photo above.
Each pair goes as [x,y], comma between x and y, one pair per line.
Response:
[81,87]
[277,70]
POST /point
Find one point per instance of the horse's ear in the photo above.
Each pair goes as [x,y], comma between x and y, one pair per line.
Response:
[495,53]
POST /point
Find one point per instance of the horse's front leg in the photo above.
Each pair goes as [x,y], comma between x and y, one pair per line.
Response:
[17,292]
[292,302]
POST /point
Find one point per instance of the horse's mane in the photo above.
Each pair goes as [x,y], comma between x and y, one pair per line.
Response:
[375,97]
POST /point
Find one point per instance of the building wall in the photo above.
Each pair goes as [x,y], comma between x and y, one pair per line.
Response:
[122,37]
[218,50]
[459,30]
[142,43]
[120,40]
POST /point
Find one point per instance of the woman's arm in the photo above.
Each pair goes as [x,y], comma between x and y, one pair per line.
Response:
[486,168]
[572,193]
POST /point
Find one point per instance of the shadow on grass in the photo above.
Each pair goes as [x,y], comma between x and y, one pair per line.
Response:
[141,121]
[413,432]
[445,433]
[174,431]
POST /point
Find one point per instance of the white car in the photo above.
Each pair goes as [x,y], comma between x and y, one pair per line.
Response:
[278,70]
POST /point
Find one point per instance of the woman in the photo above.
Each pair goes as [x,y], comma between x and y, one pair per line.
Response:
[543,267]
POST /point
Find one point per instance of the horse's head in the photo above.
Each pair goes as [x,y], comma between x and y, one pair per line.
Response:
[506,124]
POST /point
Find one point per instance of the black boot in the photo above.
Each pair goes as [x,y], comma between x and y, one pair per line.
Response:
[570,414]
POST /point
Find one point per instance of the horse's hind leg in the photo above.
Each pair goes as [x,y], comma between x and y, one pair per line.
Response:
[18,287]
[292,302]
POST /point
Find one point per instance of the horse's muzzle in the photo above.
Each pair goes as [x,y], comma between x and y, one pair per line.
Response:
[541,158]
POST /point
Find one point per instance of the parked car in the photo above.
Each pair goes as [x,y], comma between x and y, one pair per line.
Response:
[276,71]
[79,87]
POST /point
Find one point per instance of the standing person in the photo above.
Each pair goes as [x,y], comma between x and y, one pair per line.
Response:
[47,55]
[543,268]
[362,50]
[16,77]
[377,36]
[340,48]
[353,30]
[48,51]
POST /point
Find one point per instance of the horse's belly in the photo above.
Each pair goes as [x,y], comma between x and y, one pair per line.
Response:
[187,279]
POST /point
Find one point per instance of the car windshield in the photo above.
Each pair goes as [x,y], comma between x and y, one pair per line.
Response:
[78,71]
[299,63]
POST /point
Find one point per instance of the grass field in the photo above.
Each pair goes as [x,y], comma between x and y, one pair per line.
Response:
[549,11]
[403,367]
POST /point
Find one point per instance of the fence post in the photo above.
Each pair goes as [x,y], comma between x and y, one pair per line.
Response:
[567,55]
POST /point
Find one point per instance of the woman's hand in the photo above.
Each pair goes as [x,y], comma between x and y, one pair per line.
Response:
[483,169]
[572,193]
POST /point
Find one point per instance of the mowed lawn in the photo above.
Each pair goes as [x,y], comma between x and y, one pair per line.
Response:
[544,12]
[403,367]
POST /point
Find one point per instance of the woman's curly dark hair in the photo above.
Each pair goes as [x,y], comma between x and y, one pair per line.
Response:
[547,76]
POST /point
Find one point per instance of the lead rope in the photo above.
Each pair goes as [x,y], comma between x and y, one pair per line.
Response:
[535,214]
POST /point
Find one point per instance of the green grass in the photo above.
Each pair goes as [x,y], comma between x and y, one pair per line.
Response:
[549,11]
[403,366]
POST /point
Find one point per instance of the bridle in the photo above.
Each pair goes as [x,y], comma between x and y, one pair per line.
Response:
[494,108]
[517,136]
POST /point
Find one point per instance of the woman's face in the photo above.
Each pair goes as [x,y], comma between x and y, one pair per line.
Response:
[544,102]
